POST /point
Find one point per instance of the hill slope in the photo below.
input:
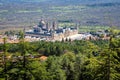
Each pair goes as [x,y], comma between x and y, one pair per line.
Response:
[19,13]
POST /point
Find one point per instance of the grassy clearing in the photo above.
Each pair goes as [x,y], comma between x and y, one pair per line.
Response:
[66,24]
[85,28]
[29,11]
[67,9]
[92,28]
[10,29]
[3,11]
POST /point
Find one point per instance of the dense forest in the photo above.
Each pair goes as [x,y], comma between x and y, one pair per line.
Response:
[65,60]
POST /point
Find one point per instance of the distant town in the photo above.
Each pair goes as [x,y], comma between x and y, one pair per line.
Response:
[52,32]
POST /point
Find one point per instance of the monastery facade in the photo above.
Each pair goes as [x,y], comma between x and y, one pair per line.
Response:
[51,32]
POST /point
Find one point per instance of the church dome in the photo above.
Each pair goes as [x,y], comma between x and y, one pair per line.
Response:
[41,23]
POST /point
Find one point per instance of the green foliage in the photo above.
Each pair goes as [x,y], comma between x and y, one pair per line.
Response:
[38,70]
[75,60]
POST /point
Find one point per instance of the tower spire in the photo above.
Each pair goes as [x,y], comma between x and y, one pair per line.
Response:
[54,25]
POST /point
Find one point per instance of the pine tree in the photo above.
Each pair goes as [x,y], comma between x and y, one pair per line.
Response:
[4,57]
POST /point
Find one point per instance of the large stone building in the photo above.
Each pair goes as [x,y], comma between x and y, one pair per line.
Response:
[51,32]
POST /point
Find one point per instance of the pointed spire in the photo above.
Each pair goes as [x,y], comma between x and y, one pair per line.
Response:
[76,26]
[47,26]
[54,25]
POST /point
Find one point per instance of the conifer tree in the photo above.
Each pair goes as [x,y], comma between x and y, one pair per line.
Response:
[4,57]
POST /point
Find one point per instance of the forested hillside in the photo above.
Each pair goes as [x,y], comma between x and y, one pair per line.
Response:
[66,60]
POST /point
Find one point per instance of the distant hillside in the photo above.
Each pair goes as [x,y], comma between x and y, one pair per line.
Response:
[63,1]
[20,13]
